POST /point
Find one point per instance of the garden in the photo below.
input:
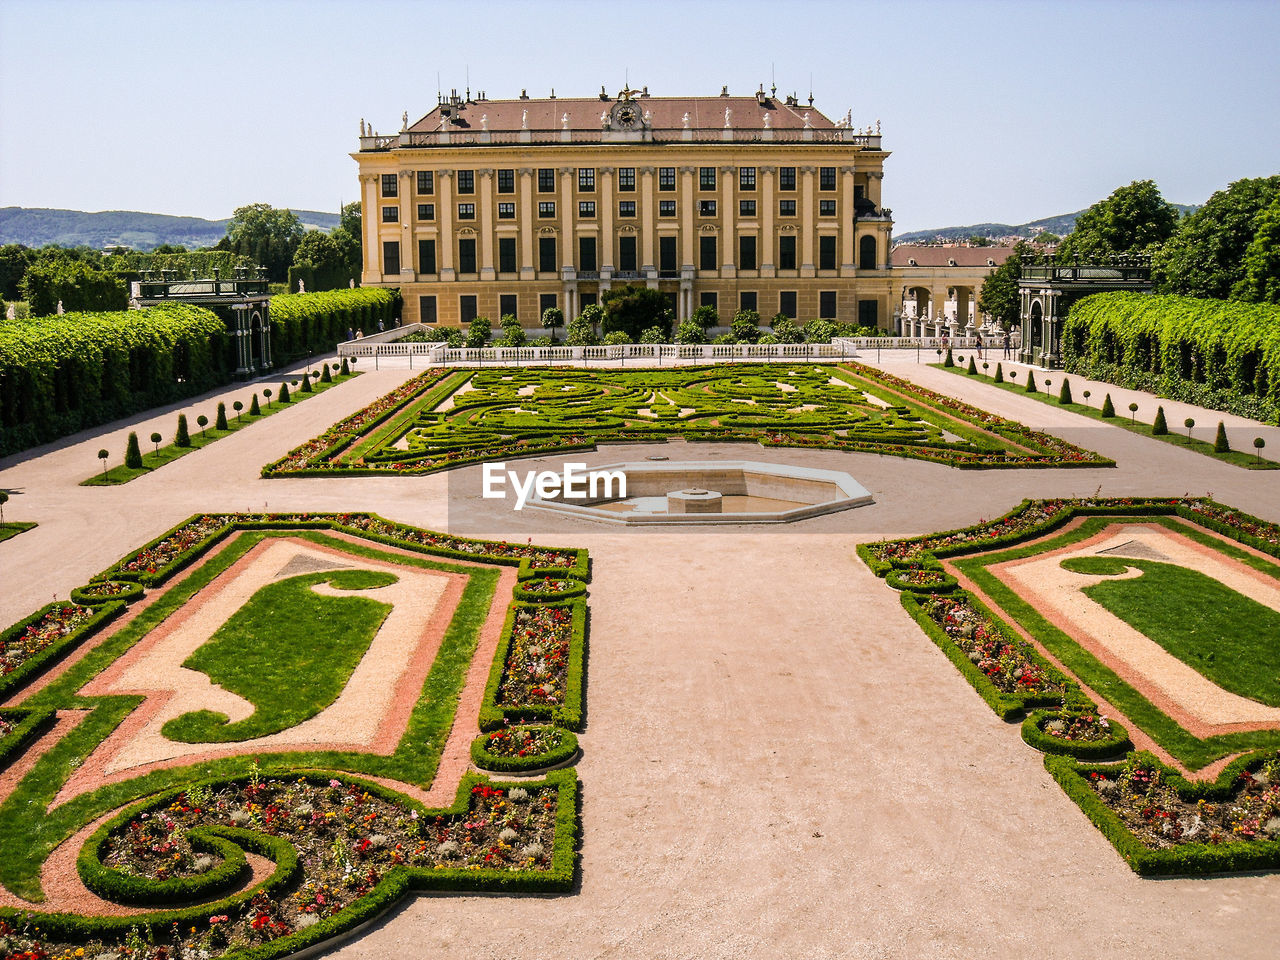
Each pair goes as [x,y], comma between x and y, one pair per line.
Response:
[172,789]
[1107,625]
[442,419]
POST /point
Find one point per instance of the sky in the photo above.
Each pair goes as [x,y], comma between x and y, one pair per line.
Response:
[994,110]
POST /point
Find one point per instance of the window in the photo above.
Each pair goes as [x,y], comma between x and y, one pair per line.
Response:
[747,300]
[467,255]
[426,256]
[747,253]
[868,315]
[626,208]
[547,254]
[586,178]
[466,181]
[826,208]
[507,305]
[787,252]
[390,185]
[786,208]
[426,211]
[627,254]
[587,254]
[587,300]
[787,303]
[545,302]
[786,178]
[706,208]
[666,208]
[746,208]
[546,208]
[706,253]
[667,255]
[827,253]
[746,178]
[390,214]
[466,211]
[507,255]
[506,181]
[427,309]
[627,179]
[546,180]
[706,178]
[867,253]
[426,182]
[709,299]
[586,209]
[827,304]
[467,308]
[391,256]
[826,178]
[506,211]
[666,178]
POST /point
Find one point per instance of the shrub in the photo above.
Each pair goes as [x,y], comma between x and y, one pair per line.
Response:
[182,438]
[949,361]
[303,322]
[156,438]
[306,384]
[202,421]
[220,423]
[325,375]
[345,370]
[1159,428]
[999,373]
[616,338]
[255,410]
[1031,382]
[972,368]
[284,393]
[653,335]
[1108,408]
[133,455]
[1220,444]
[1064,395]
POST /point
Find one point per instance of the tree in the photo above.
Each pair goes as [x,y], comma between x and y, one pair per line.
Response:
[616,338]
[815,331]
[1045,238]
[580,332]
[320,251]
[267,236]
[552,319]
[653,335]
[707,316]
[999,293]
[513,334]
[746,326]
[691,331]
[979,241]
[634,308]
[132,453]
[1261,280]
[350,219]
[1205,258]
[182,438]
[74,284]
[479,332]
[15,261]
[1134,219]
[786,331]
[156,438]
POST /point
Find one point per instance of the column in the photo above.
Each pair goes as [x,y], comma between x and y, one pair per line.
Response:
[806,223]
[768,241]
[408,259]
[604,246]
[848,228]
[485,239]
[568,242]
[686,219]
[372,272]
[648,266]
[729,240]
[527,262]
[445,245]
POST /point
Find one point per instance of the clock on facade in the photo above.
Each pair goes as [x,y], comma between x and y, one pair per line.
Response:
[626,115]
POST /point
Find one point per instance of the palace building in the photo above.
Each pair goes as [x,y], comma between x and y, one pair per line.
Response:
[493,207]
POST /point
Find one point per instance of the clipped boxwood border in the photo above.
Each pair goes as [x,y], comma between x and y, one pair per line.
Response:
[521,592]
[34,724]
[1034,735]
[1195,859]
[567,714]
[101,614]
[485,760]
[89,595]
[944,582]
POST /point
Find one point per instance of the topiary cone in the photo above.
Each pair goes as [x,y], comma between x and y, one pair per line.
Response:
[284,393]
[132,454]
[1064,395]
[999,373]
[306,384]
[1108,408]
[949,361]
[972,368]
[254,409]
[220,422]
[325,375]
[182,438]
[345,370]
[1220,444]
[1031,382]
[1159,428]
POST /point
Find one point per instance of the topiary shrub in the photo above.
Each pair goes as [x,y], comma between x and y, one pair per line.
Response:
[999,373]
[345,370]
[1220,444]
[1108,408]
[1064,395]
[306,384]
[284,393]
[220,423]
[1031,382]
[183,438]
[133,455]
[254,409]
[325,375]
[949,361]
[972,368]
[1159,428]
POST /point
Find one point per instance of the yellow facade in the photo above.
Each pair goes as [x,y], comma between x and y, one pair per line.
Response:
[757,213]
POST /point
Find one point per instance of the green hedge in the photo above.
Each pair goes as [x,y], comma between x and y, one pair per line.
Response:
[305,323]
[491,761]
[78,370]
[1214,353]
[55,651]
[94,594]
[573,588]
[1034,735]
[567,714]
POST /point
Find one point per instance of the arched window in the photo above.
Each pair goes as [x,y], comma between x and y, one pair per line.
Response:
[867,253]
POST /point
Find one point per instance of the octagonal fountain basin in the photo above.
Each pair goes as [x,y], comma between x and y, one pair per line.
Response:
[714,491]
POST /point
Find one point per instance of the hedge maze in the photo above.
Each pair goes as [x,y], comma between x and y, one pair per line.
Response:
[269,750]
[444,419]
[1110,622]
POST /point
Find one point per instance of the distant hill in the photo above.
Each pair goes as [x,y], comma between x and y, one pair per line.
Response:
[1062,224]
[37,226]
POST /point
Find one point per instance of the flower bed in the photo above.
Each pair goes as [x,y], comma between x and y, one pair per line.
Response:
[523,747]
[104,591]
[921,580]
[547,589]
[43,638]
[1083,734]
[537,671]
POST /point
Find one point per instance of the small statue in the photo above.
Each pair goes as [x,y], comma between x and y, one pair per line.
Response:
[564,121]
[877,128]
[302,286]
[60,310]
[404,121]
[768,121]
[524,120]
[727,115]
[362,133]
[648,118]
[604,119]
[484,121]
[686,121]
[807,124]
